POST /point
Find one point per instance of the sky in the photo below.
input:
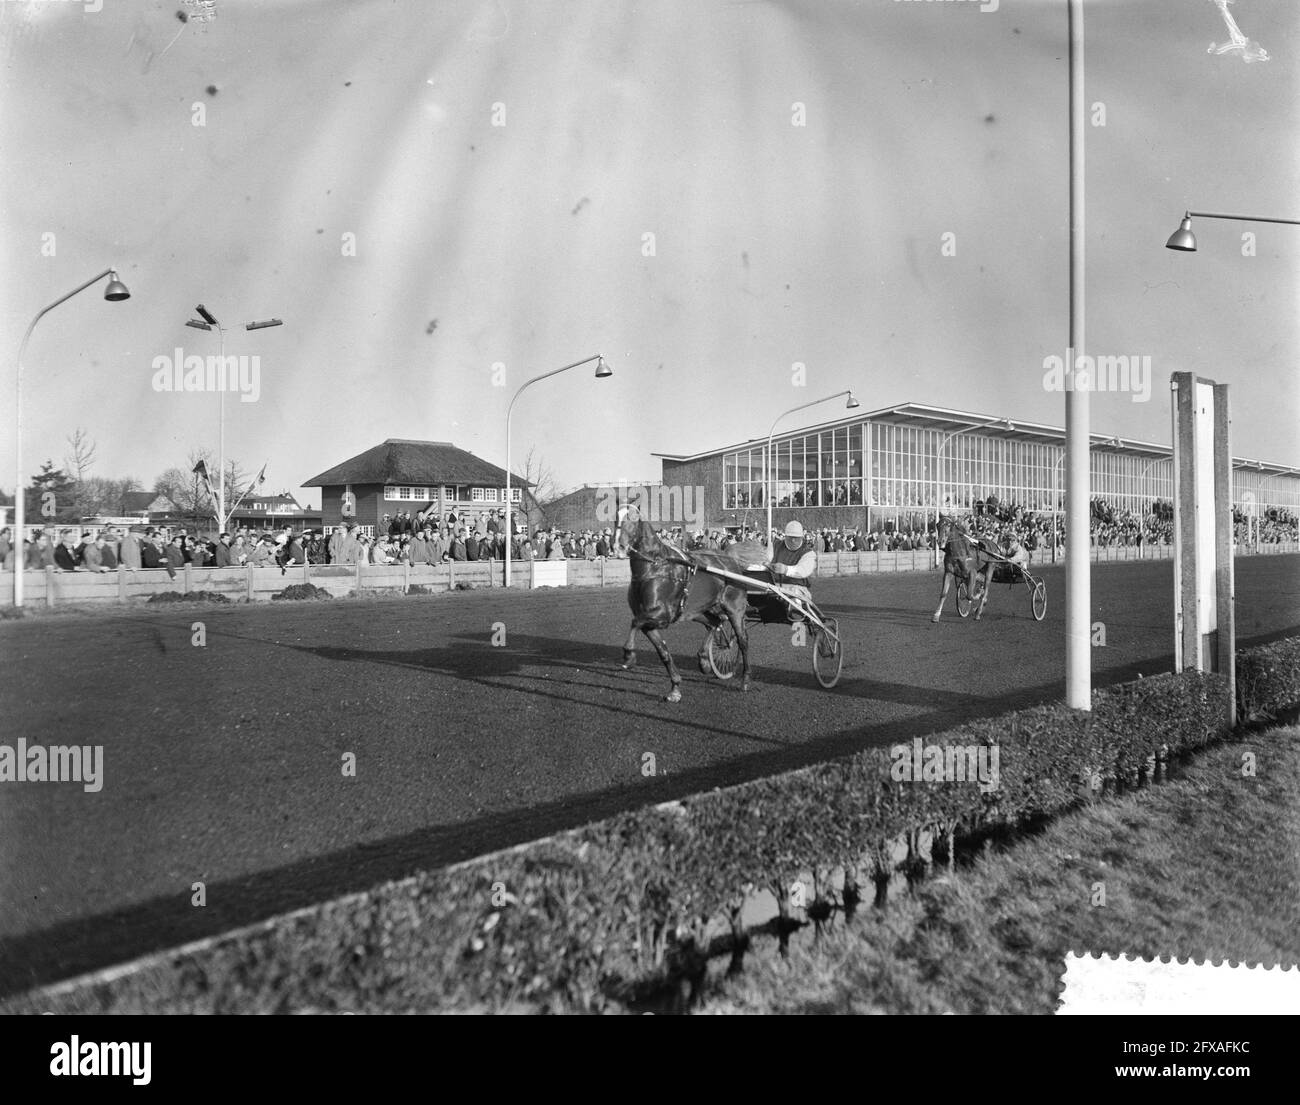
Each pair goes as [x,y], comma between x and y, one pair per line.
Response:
[441,201]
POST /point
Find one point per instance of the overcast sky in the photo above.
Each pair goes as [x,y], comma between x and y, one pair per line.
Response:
[524,244]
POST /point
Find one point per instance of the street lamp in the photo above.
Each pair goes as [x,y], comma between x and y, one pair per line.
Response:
[210,323]
[1184,240]
[603,371]
[114,292]
[767,457]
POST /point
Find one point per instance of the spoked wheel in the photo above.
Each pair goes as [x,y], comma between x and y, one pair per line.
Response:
[724,652]
[828,654]
[963,598]
[1039,599]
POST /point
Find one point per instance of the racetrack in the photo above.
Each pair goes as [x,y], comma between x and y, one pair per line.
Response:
[223,763]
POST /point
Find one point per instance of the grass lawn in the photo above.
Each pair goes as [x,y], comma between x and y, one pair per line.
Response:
[1206,865]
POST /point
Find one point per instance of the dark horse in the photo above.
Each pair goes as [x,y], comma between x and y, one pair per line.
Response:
[962,561]
[668,586]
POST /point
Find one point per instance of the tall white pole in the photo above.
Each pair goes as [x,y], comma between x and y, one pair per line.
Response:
[510,529]
[221,437]
[1078,583]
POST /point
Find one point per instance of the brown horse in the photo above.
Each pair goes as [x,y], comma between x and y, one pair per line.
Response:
[668,586]
[964,562]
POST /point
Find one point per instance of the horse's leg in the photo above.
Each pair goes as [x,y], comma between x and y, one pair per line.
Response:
[736,615]
[987,576]
[657,639]
[702,657]
[943,594]
[629,650]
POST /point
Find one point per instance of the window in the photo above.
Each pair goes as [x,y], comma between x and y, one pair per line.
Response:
[479,495]
[516,494]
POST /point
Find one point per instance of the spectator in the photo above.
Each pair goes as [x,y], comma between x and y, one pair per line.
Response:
[107,553]
[129,552]
[263,554]
[65,555]
[174,551]
[290,552]
[222,558]
[471,545]
[458,546]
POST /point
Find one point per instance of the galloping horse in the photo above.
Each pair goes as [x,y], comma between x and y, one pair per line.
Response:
[962,561]
[667,587]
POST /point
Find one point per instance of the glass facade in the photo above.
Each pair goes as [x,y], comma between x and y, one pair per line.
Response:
[903,474]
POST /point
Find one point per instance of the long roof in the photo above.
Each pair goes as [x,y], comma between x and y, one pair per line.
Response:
[924,417]
[417,463]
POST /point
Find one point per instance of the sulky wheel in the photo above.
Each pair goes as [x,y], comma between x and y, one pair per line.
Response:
[963,598]
[1039,599]
[723,651]
[828,654]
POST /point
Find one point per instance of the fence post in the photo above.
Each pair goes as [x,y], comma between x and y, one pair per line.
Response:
[121,583]
[49,586]
[451,574]
[189,586]
[406,577]
[602,571]
[358,587]
[248,579]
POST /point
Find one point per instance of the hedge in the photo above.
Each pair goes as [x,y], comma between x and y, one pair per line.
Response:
[603,916]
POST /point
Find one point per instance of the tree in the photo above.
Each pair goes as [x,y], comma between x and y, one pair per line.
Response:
[543,487]
[78,462]
[99,495]
[50,497]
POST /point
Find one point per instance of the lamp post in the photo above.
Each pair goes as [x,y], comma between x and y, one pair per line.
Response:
[938,479]
[1184,240]
[603,371]
[210,323]
[114,293]
[767,456]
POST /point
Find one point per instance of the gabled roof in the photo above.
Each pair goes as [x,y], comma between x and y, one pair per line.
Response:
[283,499]
[136,502]
[417,463]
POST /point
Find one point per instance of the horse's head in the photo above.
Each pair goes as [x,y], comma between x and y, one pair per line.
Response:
[629,522]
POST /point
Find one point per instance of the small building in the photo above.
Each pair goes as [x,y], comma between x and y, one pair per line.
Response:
[411,476]
[145,506]
[273,512]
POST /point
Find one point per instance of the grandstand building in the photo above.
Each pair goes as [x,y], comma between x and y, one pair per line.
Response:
[894,468]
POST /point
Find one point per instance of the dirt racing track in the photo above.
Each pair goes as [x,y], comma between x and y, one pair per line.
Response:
[224,764]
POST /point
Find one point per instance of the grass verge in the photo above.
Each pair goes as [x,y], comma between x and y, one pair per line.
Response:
[1205,866]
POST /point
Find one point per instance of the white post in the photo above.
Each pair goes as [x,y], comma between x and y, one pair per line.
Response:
[221,436]
[1078,582]
[510,529]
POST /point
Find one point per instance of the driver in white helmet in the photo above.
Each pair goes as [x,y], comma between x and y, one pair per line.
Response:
[793,562]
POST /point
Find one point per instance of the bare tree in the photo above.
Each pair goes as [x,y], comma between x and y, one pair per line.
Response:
[82,454]
[542,487]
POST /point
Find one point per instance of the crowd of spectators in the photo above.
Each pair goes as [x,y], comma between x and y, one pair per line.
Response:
[139,548]
[425,538]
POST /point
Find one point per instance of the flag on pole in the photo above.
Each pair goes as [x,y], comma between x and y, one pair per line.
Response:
[201,470]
